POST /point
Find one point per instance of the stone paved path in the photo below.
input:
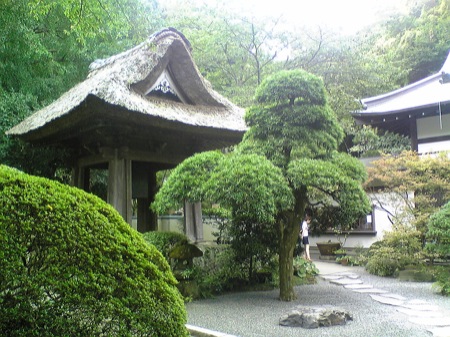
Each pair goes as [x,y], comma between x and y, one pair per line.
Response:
[433,318]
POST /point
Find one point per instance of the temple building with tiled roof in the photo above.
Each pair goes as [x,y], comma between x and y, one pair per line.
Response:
[420,110]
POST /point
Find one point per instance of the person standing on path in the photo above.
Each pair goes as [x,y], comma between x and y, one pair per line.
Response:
[304,234]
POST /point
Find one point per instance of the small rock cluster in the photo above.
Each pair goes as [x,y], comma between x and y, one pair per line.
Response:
[315,317]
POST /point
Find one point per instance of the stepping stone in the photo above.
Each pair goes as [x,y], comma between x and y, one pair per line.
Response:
[387,300]
[331,277]
[419,313]
[345,281]
[440,332]
[420,307]
[417,302]
[434,321]
[354,276]
[358,286]
[349,275]
[370,291]
[395,296]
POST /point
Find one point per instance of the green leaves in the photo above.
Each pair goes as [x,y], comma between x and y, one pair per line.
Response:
[293,123]
[252,186]
[186,182]
[92,19]
[370,141]
[291,87]
[335,184]
[427,177]
[438,234]
[249,184]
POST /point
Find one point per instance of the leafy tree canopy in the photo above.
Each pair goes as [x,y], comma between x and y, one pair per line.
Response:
[46,47]
[300,134]
[251,186]
[290,125]
[421,182]
[418,41]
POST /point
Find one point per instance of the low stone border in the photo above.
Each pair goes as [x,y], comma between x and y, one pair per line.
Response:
[196,331]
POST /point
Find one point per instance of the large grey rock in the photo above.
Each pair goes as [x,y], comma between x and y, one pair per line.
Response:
[315,317]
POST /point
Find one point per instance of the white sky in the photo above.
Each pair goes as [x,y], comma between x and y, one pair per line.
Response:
[346,16]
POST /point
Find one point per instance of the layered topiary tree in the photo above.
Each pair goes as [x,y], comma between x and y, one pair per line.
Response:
[70,266]
[294,127]
[287,161]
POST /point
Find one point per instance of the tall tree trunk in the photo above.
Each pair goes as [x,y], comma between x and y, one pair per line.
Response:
[289,230]
[286,262]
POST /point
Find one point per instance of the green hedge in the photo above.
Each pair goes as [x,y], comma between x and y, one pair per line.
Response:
[70,266]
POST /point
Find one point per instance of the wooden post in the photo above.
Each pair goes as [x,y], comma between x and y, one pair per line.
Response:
[193,221]
[198,222]
[81,177]
[143,190]
[119,184]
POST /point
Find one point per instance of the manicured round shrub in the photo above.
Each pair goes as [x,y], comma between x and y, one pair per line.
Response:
[70,266]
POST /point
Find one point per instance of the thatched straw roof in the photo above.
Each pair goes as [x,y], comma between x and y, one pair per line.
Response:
[118,87]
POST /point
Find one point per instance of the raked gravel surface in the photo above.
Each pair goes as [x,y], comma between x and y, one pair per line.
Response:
[392,308]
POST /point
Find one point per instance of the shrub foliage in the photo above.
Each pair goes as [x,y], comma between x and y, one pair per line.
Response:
[399,248]
[438,243]
[70,266]
[438,234]
[164,241]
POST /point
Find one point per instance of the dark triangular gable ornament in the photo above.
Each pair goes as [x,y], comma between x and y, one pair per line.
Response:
[165,87]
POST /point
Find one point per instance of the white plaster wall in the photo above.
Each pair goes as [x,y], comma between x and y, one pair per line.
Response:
[385,203]
[436,126]
[353,241]
[434,147]
[175,223]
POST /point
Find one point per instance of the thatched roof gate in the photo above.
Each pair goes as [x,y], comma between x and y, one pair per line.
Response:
[137,112]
